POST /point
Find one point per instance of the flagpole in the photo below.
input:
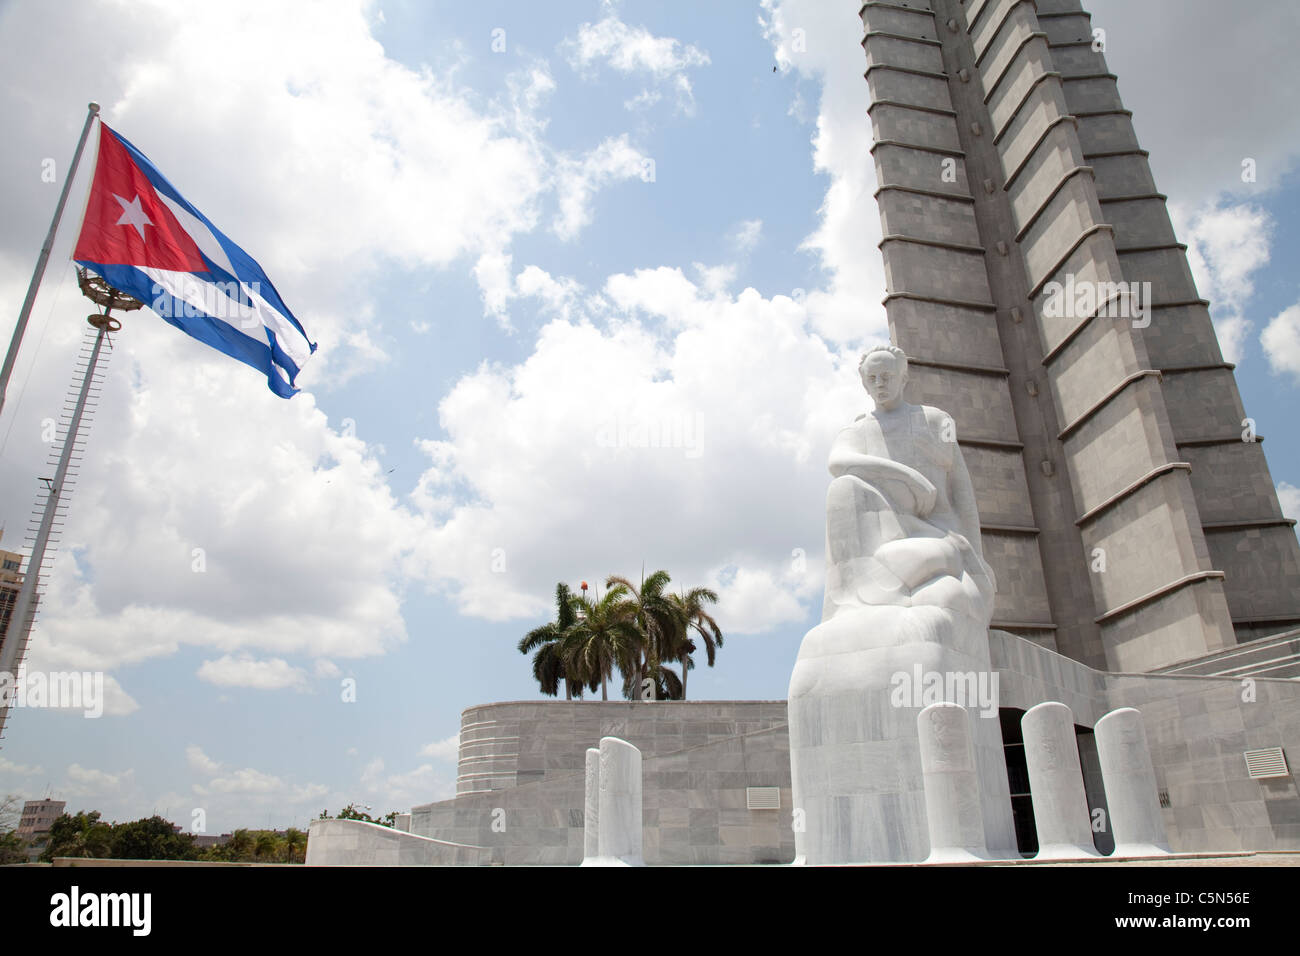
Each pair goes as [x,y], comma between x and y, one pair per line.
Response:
[92,110]
[24,611]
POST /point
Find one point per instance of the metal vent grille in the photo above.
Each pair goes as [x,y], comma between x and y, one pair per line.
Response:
[1269,762]
[763,798]
[1164,799]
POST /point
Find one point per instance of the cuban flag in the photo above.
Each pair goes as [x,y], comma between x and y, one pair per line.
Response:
[145,239]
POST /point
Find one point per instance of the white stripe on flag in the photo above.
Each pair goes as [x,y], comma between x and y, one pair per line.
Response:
[218,300]
[293,342]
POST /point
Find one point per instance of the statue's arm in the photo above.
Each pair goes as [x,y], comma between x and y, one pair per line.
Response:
[962,495]
[848,458]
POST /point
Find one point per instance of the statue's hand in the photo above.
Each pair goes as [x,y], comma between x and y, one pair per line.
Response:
[926,494]
[912,495]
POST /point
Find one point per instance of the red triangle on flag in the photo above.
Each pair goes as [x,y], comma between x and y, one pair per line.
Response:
[126,222]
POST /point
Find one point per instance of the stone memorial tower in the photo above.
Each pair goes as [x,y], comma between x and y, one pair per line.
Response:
[1036,285]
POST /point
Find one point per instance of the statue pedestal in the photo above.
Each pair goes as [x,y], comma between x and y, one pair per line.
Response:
[854,749]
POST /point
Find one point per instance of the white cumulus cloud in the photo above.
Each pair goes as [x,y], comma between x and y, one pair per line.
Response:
[668,418]
[201,762]
[1281,342]
[87,781]
[1226,245]
[821,42]
[1288,496]
[446,749]
[401,791]
[7,766]
[274,674]
[631,50]
[578,180]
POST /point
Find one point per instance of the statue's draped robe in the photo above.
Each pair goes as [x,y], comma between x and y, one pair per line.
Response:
[879,549]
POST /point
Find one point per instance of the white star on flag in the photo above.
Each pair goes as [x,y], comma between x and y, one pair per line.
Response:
[133,215]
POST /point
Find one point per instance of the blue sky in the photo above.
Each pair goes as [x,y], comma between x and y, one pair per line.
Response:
[519,263]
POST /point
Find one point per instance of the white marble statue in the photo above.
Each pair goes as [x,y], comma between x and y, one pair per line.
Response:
[901,524]
[907,590]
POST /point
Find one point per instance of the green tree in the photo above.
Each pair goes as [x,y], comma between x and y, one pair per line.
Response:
[267,845]
[294,840]
[604,636]
[691,607]
[667,685]
[659,622]
[350,812]
[152,838]
[545,643]
[82,836]
[240,846]
[12,848]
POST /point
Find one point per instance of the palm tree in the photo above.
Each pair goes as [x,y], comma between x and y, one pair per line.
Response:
[604,635]
[83,836]
[691,608]
[548,664]
[240,844]
[293,839]
[658,620]
[668,686]
[267,845]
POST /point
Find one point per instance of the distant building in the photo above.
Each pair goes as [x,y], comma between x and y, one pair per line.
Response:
[201,840]
[37,818]
[11,581]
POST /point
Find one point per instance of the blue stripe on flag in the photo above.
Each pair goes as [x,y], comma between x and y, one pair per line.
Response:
[208,330]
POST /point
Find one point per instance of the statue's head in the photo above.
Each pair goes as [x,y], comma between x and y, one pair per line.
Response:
[884,373]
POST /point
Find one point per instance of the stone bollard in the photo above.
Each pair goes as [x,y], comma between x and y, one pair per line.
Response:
[1056,783]
[952,785]
[1130,781]
[591,810]
[619,812]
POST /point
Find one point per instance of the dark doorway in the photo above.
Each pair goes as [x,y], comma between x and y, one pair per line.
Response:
[1022,803]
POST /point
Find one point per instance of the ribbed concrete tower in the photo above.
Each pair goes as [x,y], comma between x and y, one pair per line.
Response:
[1130,524]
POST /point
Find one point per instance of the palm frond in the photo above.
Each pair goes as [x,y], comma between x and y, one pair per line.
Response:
[656,583]
[537,636]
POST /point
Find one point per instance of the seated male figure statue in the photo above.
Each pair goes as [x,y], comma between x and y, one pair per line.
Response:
[901,523]
[907,591]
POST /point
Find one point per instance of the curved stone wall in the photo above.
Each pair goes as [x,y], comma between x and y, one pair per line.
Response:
[512,743]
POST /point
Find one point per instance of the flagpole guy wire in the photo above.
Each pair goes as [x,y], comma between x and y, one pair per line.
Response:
[92,110]
[20,621]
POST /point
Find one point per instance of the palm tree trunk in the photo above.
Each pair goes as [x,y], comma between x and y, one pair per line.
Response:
[640,658]
[604,695]
[686,660]
[568,689]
